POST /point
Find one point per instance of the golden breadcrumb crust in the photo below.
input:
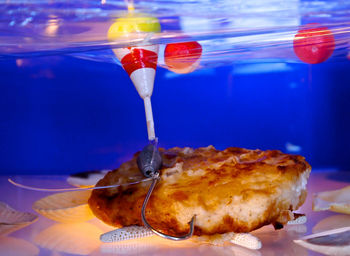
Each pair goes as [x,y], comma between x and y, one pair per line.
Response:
[234,190]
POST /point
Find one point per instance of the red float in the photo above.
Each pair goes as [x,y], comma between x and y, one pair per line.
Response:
[314,43]
[182,57]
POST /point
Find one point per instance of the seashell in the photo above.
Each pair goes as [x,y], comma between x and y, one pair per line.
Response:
[331,242]
[217,239]
[246,240]
[67,207]
[336,201]
[86,179]
[11,246]
[299,220]
[229,251]
[76,238]
[332,222]
[12,220]
[126,233]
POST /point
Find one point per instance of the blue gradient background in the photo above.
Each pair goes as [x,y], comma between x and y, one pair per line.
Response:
[60,114]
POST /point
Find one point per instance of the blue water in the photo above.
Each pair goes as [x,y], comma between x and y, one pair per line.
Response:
[62,114]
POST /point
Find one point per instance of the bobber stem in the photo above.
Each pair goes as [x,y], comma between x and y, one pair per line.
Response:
[149,118]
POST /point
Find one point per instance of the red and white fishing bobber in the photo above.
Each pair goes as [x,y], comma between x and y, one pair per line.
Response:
[140,62]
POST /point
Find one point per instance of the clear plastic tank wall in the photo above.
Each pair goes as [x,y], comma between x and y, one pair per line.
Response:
[61,114]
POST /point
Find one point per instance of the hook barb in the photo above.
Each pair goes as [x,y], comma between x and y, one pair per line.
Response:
[145,222]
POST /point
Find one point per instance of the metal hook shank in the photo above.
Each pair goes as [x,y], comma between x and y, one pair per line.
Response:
[145,222]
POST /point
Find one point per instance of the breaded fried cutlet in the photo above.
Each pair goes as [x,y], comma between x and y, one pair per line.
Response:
[234,190]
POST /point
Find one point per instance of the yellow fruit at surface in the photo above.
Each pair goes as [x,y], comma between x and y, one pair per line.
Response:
[132,24]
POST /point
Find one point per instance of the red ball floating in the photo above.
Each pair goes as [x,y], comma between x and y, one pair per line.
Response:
[314,44]
[184,57]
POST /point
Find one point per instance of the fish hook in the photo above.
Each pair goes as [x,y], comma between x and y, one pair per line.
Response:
[149,163]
